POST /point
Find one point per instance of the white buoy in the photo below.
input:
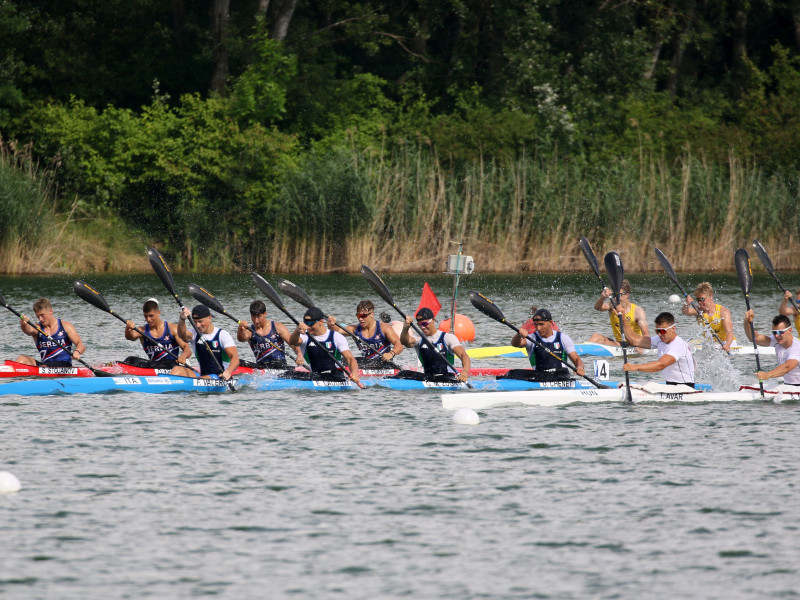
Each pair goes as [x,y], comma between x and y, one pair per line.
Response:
[674,298]
[10,483]
[466,416]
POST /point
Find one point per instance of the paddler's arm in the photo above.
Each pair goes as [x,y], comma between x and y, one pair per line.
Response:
[75,339]
[787,308]
[603,303]
[27,329]
[405,337]
[465,362]
[632,338]
[727,324]
[183,332]
[130,331]
[283,332]
[295,339]
[186,349]
[243,333]
[393,339]
[233,354]
[520,340]
[779,371]
[352,364]
[579,368]
[651,367]
[761,340]
[641,319]
[687,308]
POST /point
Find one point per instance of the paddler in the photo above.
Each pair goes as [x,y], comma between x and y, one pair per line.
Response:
[546,367]
[715,316]
[634,314]
[787,349]
[376,334]
[788,309]
[170,345]
[322,366]
[215,349]
[268,345]
[437,351]
[63,332]
[675,360]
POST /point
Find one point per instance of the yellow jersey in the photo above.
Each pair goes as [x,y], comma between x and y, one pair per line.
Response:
[612,317]
[714,320]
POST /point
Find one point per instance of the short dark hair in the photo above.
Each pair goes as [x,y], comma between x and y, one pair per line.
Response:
[365,306]
[665,318]
[781,320]
[257,307]
[150,306]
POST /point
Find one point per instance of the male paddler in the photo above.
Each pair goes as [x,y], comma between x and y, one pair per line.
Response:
[268,345]
[215,349]
[376,334]
[715,316]
[437,351]
[787,349]
[675,359]
[788,309]
[544,356]
[319,361]
[170,345]
[634,314]
[50,353]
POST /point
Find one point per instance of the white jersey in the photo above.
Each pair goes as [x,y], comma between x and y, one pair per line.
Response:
[784,354]
[682,370]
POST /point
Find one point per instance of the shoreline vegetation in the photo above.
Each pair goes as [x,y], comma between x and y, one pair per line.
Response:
[406,208]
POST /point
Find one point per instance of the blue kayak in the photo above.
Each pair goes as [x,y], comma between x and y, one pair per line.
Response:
[99,385]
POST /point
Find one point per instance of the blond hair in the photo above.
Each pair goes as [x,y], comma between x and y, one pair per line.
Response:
[704,289]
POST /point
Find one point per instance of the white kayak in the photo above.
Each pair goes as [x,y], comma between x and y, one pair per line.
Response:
[590,349]
[649,392]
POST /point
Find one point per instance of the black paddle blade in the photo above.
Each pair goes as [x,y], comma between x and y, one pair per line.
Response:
[162,270]
[203,296]
[666,264]
[614,270]
[268,291]
[586,248]
[742,261]
[295,293]
[377,284]
[486,306]
[763,256]
[91,295]
[3,300]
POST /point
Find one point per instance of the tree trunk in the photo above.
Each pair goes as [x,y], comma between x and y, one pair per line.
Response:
[220,14]
[263,7]
[282,17]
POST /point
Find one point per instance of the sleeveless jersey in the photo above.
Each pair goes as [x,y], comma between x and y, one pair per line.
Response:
[318,359]
[376,341]
[431,360]
[541,360]
[716,323]
[167,342]
[629,316]
[263,351]
[208,366]
[797,324]
[49,351]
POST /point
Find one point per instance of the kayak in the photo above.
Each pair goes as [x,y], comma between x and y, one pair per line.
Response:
[650,392]
[587,349]
[123,383]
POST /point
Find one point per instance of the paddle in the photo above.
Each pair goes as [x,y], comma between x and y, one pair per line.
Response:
[270,293]
[165,275]
[490,309]
[586,248]
[203,296]
[742,261]
[95,298]
[97,372]
[764,258]
[671,274]
[616,273]
[296,293]
[383,291]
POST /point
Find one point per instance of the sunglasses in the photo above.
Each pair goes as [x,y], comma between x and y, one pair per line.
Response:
[363,315]
[663,330]
[310,321]
[424,323]
[777,332]
[703,299]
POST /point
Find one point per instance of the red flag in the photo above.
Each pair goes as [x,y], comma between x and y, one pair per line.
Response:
[429,299]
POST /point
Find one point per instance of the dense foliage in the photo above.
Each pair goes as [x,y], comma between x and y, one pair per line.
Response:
[218,128]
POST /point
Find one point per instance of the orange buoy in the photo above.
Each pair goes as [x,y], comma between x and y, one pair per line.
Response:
[465,330]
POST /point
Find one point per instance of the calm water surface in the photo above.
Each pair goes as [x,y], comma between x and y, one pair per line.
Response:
[377,494]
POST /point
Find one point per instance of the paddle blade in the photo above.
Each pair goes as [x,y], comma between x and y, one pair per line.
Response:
[486,306]
[742,261]
[295,293]
[91,295]
[162,270]
[616,273]
[666,264]
[377,284]
[203,296]
[586,248]
[3,300]
[268,291]
[763,256]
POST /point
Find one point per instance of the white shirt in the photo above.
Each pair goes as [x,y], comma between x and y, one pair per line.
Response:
[682,370]
[784,354]
[566,342]
[225,340]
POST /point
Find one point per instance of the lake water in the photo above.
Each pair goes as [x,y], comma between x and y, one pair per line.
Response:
[378,494]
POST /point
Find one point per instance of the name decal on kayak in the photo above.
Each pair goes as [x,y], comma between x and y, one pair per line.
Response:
[443,384]
[335,384]
[207,382]
[127,381]
[58,371]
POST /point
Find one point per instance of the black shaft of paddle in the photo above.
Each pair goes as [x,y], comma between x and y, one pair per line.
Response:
[744,272]
[489,308]
[383,291]
[270,293]
[588,253]
[671,274]
[165,275]
[296,293]
[203,296]
[765,260]
[616,274]
[97,372]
